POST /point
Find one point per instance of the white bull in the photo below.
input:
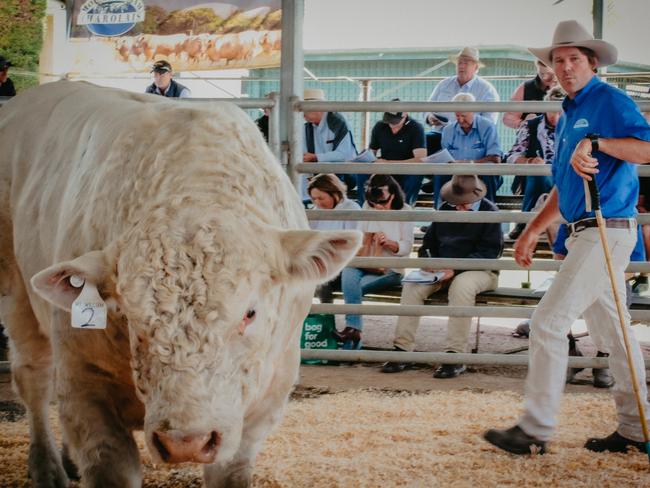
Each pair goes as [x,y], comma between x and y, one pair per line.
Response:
[196,241]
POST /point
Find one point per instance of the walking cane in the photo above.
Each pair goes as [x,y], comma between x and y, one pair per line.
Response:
[595,203]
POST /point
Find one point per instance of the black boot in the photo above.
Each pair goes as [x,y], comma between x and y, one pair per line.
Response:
[394,366]
[516,232]
[573,351]
[613,443]
[602,377]
[515,440]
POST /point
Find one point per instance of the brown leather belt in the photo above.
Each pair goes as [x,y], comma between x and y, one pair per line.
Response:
[583,224]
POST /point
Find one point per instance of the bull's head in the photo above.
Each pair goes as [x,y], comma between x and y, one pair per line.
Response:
[214,314]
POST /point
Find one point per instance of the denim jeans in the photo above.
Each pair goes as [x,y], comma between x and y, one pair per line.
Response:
[534,186]
[357,282]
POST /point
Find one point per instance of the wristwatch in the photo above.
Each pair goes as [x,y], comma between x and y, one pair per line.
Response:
[594,142]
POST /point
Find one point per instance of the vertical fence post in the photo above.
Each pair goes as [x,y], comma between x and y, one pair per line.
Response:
[274,125]
[365,130]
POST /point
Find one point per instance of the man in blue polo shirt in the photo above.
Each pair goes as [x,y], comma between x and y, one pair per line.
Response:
[472,138]
[601,135]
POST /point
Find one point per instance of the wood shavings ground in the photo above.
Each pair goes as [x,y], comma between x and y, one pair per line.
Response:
[373,438]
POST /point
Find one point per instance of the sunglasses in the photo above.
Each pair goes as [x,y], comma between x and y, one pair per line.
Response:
[384,201]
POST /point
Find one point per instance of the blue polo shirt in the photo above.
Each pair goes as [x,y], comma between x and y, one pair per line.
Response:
[482,140]
[600,109]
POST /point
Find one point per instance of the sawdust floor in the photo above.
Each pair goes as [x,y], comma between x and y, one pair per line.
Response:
[352,426]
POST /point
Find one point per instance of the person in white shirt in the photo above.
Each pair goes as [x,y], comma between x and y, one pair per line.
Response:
[466,80]
[327,192]
[381,238]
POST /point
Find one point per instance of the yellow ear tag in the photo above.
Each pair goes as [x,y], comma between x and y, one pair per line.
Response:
[88,310]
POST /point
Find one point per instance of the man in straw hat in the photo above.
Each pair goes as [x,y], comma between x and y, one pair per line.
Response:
[601,135]
[453,240]
[466,80]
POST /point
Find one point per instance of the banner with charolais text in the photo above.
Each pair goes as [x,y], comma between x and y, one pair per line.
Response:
[118,36]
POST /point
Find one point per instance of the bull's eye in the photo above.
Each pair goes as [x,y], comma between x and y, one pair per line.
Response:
[248,318]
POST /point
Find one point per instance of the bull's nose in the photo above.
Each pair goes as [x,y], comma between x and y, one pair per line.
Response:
[178,447]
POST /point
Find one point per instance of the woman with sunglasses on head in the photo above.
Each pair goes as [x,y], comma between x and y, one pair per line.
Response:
[391,239]
[327,192]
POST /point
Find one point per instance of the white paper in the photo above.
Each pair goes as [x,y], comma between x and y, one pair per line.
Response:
[366,156]
[424,277]
[89,310]
[440,157]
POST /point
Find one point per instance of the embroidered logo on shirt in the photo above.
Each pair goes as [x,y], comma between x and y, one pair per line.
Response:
[581,123]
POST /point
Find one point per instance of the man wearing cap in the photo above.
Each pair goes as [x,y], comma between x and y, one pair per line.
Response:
[601,135]
[7,88]
[466,80]
[533,89]
[163,84]
[453,240]
[328,139]
[398,138]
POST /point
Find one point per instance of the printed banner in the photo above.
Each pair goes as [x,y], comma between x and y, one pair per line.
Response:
[114,36]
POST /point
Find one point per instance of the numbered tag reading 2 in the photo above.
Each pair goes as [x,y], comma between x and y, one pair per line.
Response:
[89,310]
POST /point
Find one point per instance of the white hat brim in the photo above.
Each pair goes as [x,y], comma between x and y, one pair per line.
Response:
[454,59]
[606,53]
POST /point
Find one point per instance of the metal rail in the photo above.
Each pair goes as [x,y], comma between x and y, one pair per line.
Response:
[516,312]
[327,106]
[443,358]
[436,169]
[473,264]
[500,216]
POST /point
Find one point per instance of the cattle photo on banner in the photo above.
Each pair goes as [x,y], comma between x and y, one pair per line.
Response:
[113,36]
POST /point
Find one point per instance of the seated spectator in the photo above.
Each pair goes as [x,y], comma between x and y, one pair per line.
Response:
[640,283]
[535,144]
[163,82]
[466,80]
[328,139]
[398,138]
[471,139]
[7,88]
[530,90]
[453,240]
[385,238]
[327,192]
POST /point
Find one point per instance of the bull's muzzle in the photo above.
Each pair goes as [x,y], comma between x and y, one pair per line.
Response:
[179,447]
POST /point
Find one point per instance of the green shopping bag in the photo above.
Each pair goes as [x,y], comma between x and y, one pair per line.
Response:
[318,333]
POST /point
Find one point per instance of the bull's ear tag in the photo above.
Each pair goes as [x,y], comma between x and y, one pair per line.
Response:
[88,310]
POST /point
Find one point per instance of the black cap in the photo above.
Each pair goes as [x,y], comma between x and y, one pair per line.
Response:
[161,66]
[393,117]
[4,63]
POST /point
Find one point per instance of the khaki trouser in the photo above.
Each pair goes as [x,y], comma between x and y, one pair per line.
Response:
[462,293]
[582,287]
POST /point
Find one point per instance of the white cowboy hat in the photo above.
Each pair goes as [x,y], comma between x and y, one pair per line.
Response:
[467,52]
[314,94]
[570,33]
